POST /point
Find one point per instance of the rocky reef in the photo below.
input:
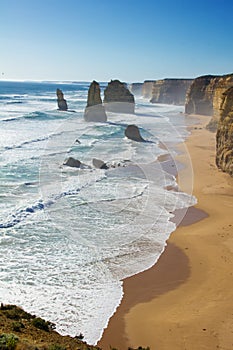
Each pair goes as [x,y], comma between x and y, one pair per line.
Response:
[224,136]
[205,95]
[118,98]
[95,110]
[170,91]
[61,102]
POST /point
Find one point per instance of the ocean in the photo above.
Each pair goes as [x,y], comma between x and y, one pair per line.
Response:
[69,236]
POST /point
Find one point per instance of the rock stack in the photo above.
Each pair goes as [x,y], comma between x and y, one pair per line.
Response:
[61,102]
[224,136]
[95,110]
[117,98]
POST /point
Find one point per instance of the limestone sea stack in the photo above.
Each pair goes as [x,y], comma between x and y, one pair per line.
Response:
[133,133]
[61,102]
[95,110]
[224,136]
[118,98]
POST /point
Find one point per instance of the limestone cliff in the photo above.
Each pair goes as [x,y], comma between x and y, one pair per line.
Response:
[199,99]
[205,94]
[94,111]
[170,91]
[224,136]
[224,83]
[117,98]
[61,102]
[136,89]
[147,88]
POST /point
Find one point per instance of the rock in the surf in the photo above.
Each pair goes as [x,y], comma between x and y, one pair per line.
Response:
[61,102]
[133,133]
[99,164]
[95,110]
[72,162]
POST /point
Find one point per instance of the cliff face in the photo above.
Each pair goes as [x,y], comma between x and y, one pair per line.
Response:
[116,92]
[147,88]
[224,136]
[170,91]
[136,89]
[224,83]
[95,110]
[205,95]
[199,99]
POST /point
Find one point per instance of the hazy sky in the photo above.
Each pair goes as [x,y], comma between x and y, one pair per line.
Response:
[130,40]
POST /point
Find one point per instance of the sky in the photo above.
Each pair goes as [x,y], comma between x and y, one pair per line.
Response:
[130,40]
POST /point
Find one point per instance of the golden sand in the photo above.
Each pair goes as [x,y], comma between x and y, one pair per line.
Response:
[186,300]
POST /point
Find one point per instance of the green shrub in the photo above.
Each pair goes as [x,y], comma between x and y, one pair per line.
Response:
[8,341]
[15,313]
[42,324]
[56,347]
[17,326]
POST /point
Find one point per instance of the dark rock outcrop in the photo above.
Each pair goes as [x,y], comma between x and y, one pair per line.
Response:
[170,91]
[117,98]
[61,102]
[224,136]
[94,111]
[72,162]
[133,133]
[99,164]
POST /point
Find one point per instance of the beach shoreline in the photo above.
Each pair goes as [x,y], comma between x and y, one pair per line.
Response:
[184,300]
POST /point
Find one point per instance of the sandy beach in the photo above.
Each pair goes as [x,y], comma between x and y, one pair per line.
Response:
[185,300]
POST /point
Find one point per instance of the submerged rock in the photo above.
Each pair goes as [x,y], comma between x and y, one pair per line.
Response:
[133,133]
[61,102]
[118,98]
[95,110]
[224,136]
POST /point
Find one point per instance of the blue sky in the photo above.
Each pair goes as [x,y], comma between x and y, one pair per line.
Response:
[130,40]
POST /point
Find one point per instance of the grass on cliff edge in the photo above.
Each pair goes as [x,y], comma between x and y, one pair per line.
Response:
[19,330]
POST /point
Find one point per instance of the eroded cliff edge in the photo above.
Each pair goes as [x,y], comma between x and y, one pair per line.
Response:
[204,96]
[170,91]
[224,136]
